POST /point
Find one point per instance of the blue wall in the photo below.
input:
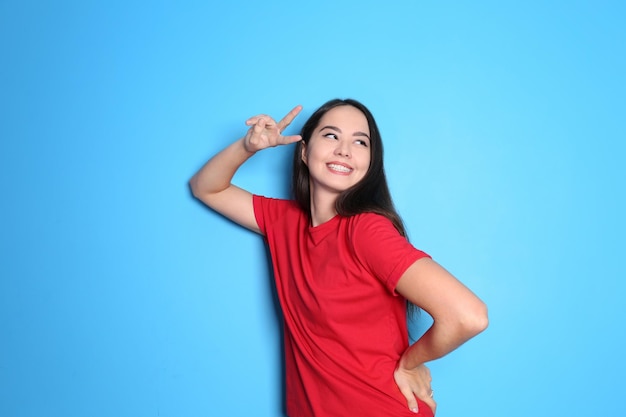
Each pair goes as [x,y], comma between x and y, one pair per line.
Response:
[122,296]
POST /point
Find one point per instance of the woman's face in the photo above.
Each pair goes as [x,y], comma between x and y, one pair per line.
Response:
[338,152]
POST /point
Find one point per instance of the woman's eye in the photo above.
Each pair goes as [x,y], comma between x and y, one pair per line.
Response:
[361,142]
[330,135]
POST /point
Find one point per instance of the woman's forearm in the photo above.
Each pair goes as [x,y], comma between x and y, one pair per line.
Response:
[216,175]
[443,338]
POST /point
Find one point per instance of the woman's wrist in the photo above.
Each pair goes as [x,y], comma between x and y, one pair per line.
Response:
[244,147]
[413,357]
[404,361]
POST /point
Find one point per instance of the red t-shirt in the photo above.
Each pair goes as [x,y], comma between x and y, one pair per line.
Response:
[345,326]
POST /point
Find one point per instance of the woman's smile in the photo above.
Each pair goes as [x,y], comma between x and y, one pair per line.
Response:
[339,168]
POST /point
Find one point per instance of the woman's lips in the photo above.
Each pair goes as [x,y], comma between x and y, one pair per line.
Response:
[339,168]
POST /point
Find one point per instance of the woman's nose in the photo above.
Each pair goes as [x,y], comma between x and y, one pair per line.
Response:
[343,149]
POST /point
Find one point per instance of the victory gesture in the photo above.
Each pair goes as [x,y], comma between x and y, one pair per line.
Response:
[264,132]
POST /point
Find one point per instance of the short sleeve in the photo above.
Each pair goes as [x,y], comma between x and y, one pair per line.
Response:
[382,249]
[269,210]
[258,203]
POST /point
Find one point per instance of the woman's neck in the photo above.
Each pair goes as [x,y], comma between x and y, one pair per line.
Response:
[322,208]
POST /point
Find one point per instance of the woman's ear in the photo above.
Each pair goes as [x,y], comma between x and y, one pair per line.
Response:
[303,151]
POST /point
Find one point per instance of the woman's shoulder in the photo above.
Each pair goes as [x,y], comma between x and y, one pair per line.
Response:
[368,219]
[370,225]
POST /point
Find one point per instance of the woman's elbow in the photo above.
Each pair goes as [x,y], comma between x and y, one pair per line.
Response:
[196,190]
[193,185]
[476,320]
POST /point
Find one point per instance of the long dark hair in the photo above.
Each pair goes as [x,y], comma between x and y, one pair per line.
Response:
[371,194]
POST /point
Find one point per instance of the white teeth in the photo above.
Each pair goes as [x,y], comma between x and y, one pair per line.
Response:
[341,168]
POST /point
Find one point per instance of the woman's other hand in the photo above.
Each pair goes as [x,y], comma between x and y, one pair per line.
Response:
[415,383]
[264,132]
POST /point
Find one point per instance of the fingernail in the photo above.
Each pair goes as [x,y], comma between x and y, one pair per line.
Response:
[414,409]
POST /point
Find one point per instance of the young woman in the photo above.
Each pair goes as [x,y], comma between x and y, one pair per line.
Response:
[344,269]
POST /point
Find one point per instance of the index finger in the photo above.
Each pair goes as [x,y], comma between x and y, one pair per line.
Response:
[286,121]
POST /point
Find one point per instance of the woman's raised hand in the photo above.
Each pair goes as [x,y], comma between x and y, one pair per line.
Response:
[264,132]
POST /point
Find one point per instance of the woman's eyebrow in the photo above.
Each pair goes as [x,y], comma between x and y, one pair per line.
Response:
[336,129]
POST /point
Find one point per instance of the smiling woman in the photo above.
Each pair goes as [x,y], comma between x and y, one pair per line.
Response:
[337,156]
[344,269]
[369,195]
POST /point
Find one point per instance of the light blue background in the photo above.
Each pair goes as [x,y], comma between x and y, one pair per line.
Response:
[120,295]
